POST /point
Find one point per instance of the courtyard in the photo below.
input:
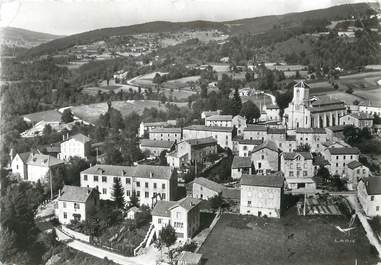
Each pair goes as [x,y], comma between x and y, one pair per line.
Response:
[293,239]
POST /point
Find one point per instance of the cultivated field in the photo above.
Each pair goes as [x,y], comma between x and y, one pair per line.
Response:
[365,86]
[290,240]
[91,112]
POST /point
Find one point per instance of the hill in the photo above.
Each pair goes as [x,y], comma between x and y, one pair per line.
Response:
[250,25]
[18,37]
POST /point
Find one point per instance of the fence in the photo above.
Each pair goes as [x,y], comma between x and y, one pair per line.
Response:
[76,235]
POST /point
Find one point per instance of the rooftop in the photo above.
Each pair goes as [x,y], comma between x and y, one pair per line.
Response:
[48,116]
[219,118]
[354,164]
[250,141]
[241,162]
[40,160]
[80,137]
[166,130]
[344,151]
[157,143]
[75,194]
[276,130]
[275,180]
[272,106]
[362,116]
[209,128]
[293,155]
[202,141]
[268,144]
[253,127]
[208,184]
[373,185]
[311,130]
[163,208]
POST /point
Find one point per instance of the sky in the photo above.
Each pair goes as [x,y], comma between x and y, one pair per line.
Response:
[65,17]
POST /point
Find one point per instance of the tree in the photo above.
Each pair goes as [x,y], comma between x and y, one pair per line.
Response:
[236,103]
[163,159]
[118,193]
[47,130]
[67,116]
[134,200]
[216,202]
[167,235]
[303,148]
[250,111]
[204,90]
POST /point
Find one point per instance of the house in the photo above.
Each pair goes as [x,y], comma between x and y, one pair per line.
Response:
[255,132]
[205,189]
[265,158]
[155,147]
[289,144]
[355,171]
[241,165]
[209,113]
[272,112]
[298,170]
[78,145]
[219,120]
[319,161]
[223,135]
[165,134]
[146,127]
[192,150]
[76,204]
[38,128]
[149,183]
[261,195]
[276,134]
[52,117]
[34,167]
[182,215]
[369,195]
[132,212]
[370,108]
[239,123]
[314,137]
[340,157]
[245,146]
[189,258]
[358,119]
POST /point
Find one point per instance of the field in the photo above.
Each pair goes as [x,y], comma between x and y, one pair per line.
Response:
[290,240]
[91,112]
[364,85]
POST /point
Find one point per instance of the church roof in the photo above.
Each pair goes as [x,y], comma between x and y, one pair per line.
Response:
[302,84]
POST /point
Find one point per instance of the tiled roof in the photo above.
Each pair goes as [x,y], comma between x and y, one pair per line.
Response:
[268,144]
[157,143]
[209,128]
[253,127]
[43,160]
[290,137]
[302,84]
[208,184]
[276,131]
[24,156]
[250,141]
[362,116]
[241,162]
[162,208]
[344,151]
[337,128]
[202,141]
[293,155]
[166,130]
[311,130]
[75,194]
[188,203]
[320,161]
[142,171]
[48,116]
[219,118]
[275,180]
[373,185]
[81,138]
[134,209]
[154,124]
[354,164]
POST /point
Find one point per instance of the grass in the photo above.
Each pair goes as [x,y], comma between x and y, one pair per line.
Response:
[291,239]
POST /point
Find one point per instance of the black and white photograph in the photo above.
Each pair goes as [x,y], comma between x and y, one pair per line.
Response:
[190,132]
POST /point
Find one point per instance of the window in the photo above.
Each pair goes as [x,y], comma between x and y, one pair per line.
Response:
[128,181]
[146,194]
[146,184]
[372,198]
[104,179]
[337,164]
[377,208]
[104,191]
[85,177]
[364,171]
[178,215]
[159,221]
[64,204]
[137,184]
[138,193]
[291,173]
[259,165]
[163,196]
[128,193]
[305,173]
[344,157]
[65,215]
[154,185]
[115,179]
[358,171]
[76,206]
[337,157]
[262,157]
[248,203]
[163,186]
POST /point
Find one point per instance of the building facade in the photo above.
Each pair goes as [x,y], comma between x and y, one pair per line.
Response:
[78,145]
[298,170]
[156,147]
[265,158]
[358,119]
[165,134]
[223,135]
[340,158]
[240,166]
[205,189]
[369,195]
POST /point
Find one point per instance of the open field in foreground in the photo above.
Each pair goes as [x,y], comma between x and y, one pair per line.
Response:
[244,240]
[91,112]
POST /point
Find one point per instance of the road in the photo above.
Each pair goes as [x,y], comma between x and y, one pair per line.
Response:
[149,258]
[273,100]
[368,229]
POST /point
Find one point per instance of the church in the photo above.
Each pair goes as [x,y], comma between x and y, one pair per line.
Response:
[316,112]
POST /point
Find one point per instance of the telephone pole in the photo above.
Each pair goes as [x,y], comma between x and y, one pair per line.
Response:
[50,179]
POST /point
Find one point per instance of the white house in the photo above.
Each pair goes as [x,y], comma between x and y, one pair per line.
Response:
[165,134]
[76,203]
[205,189]
[314,137]
[146,127]
[223,135]
[261,195]
[355,171]
[369,195]
[255,132]
[32,167]
[219,120]
[156,147]
[77,145]
[149,183]
[182,215]
[265,158]
[340,158]
[358,119]
[245,146]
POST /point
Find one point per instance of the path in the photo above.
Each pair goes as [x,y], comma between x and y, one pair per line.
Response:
[273,100]
[149,258]
[368,229]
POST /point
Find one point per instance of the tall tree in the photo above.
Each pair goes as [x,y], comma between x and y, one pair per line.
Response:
[250,111]
[236,103]
[303,148]
[134,200]
[167,235]
[118,193]
[67,116]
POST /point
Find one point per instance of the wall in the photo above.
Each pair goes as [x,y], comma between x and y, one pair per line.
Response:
[70,210]
[202,193]
[269,161]
[75,234]
[36,172]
